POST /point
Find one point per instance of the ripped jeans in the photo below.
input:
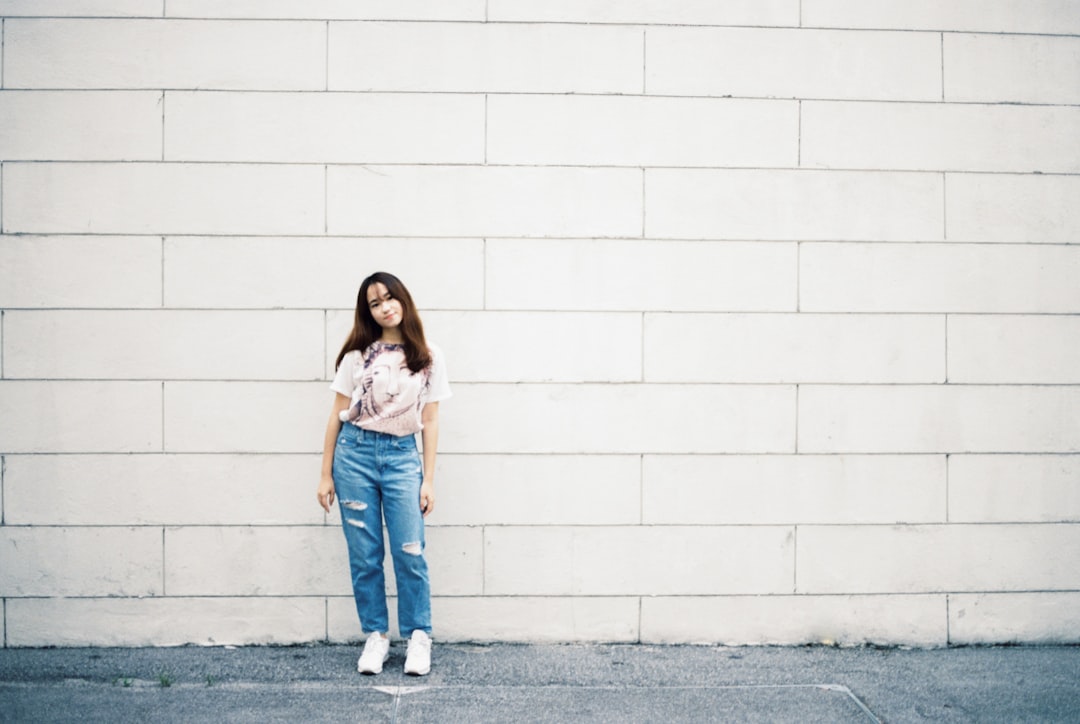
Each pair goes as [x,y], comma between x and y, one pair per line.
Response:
[377,475]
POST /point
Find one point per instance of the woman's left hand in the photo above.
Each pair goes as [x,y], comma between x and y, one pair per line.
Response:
[427,497]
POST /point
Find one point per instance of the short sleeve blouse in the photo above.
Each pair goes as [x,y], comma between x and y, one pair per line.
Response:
[385,395]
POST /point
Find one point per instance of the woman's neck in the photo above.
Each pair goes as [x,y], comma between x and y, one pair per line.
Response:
[391,336]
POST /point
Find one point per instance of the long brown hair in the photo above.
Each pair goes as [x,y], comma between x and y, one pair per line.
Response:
[366,330]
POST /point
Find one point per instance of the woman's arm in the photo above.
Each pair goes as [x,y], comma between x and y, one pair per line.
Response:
[333,426]
[430,435]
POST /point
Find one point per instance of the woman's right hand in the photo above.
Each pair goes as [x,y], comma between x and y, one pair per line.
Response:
[326,492]
[333,426]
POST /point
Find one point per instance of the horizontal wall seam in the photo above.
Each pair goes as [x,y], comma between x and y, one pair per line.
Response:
[630,168]
[481,22]
[568,383]
[627,455]
[593,238]
[730,240]
[539,311]
[605,596]
[562,526]
[771,99]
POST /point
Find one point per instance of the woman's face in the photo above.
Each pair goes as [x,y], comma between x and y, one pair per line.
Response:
[385,310]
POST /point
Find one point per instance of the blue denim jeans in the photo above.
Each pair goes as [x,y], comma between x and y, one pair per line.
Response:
[377,475]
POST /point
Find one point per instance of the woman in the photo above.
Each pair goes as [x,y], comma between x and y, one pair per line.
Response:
[389,383]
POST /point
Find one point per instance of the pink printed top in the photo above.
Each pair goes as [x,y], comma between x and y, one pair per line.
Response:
[386,396]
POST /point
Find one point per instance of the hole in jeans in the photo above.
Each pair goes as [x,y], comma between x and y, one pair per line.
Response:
[356,523]
[413,549]
[353,505]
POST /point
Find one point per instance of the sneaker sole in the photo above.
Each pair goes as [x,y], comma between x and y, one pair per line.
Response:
[372,672]
[418,673]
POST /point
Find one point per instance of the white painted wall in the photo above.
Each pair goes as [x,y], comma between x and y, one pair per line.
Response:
[762,315]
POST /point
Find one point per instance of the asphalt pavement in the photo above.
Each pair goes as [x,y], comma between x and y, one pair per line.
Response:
[543,683]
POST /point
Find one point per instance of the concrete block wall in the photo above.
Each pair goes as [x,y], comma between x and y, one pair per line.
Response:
[761,315]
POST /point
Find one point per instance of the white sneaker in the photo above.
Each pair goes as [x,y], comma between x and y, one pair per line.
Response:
[376,651]
[418,660]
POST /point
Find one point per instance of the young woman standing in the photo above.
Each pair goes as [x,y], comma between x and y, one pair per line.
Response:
[389,383]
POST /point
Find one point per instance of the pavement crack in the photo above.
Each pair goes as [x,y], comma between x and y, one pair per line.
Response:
[397,705]
[858,702]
